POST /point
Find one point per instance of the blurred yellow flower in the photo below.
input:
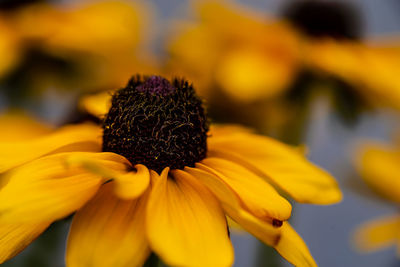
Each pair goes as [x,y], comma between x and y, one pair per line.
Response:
[250,56]
[379,166]
[151,178]
[237,48]
[101,41]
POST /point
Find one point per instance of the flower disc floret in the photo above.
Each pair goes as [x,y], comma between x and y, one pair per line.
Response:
[157,123]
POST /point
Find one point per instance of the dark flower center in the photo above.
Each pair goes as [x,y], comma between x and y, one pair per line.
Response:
[333,19]
[157,123]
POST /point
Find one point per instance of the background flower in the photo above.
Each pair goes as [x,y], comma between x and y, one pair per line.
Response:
[378,165]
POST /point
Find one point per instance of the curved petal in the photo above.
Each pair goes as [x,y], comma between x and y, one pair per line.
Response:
[263,230]
[47,189]
[292,247]
[129,182]
[378,234]
[260,198]
[16,125]
[185,223]
[132,184]
[380,169]
[97,105]
[279,164]
[16,237]
[108,231]
[68,138]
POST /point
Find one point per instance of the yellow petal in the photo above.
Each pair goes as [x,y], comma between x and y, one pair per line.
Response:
[292,247]
[15,125]
[378,234]
[15,237]
[259,197]
[97,105]
[262,229]
[279,164]
[354,62]
[108,231]
[104,27]
[11,46]
[129,182]
[185,223]
[248,74]
[46,189]
[379,167]
[133,183]
[69,138]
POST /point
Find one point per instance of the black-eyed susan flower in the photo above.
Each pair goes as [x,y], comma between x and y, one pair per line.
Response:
[314,47]
[379,167]
[155,177]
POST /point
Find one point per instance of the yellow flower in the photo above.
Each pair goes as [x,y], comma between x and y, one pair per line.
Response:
[153,178]
[379,167]
[251,57]
[234,48]
[89,38]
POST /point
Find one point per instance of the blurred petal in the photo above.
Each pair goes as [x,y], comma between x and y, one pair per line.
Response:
[16,236]
[278,164]
[252,75]
[355,62]
[185,223]
[378,234]
[45,189]
[69,138]
[379,167]
[262,229]
[16,126]
[10,47]
[260,198]
[292,247]
[99,27]
[97,105]
[108,231]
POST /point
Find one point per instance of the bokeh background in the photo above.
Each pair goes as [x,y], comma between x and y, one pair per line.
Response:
[53,74]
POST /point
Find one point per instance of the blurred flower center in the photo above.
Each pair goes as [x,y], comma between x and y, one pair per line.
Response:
[158,123]
[339,20]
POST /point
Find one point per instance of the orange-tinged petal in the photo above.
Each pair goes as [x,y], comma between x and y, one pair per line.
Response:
[378,233]
[379,167]
[292,247]
[10,46]
[46,189]
[129,182]
[258,196]
[262,229]
[68,138]
[108,231]
[97,104]
[17,236]
[16,125]
[279,164]
[185,224]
